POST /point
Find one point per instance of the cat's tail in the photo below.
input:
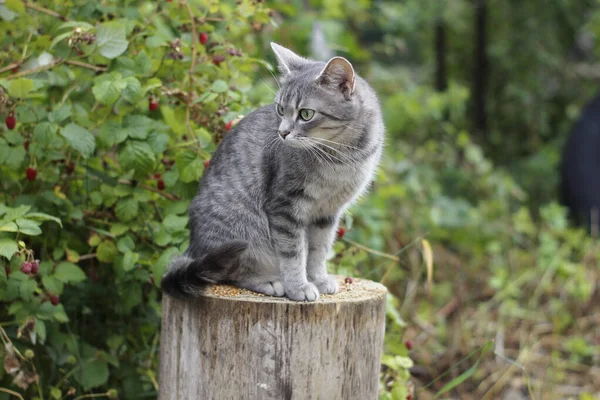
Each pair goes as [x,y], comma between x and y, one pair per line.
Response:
[187,277]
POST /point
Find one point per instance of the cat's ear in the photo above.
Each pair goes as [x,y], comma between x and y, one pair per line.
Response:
[338,74]
[288,60]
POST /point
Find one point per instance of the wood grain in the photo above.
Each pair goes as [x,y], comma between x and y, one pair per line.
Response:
[235,344]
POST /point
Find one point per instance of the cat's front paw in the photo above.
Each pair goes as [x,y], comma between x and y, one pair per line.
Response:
[328,285]
[304,292]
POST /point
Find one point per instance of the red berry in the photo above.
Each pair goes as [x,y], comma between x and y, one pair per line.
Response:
[228,125]
[409,397]
[7,270]
[203,37]
[152,104]
[35,266]
[54,299]
[11,121]
[157,176]
[348,280]
[206,163]
[409,344]
[218,59]
[26,267]
[31,174]
[160,184]
[26,145]
[15,69]
[341,232]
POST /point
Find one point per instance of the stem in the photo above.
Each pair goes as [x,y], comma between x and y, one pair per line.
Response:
[45,11]
[36,70]
[86,65]
[369,250]
[89,396]
[191,73]
[10,66]
[11,393]
[150,188]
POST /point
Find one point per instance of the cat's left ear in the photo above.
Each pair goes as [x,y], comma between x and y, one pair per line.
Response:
[338,74]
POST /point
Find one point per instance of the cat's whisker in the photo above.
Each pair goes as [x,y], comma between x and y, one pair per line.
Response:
[344,161]
[268,87]
[345,156]
[338,143]
[317,152]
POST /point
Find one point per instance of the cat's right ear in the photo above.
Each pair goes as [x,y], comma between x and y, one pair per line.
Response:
[288,60]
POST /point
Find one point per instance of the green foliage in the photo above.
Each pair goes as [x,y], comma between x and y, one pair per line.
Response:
[107,209]
[81,82]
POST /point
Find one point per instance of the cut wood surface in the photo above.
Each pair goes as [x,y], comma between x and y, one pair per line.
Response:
[236,344]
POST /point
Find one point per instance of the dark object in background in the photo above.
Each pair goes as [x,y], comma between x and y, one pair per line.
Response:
[580,168]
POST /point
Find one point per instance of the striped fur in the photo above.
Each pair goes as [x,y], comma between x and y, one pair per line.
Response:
[269,203]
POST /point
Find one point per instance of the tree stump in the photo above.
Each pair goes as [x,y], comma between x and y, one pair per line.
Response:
[236,344]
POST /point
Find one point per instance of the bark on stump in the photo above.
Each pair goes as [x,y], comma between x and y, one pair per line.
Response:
[236,344]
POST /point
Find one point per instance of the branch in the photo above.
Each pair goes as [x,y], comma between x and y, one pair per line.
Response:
[150,188]
[11,393]
[36,70]
[45,11]
[96,68]
[191,73]
[10,66]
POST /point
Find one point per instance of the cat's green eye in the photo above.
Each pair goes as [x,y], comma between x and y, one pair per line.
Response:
[306,114]
[279,109]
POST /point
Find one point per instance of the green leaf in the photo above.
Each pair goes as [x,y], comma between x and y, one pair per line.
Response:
[28,227]
[60,38]
[38,216]
[118,229]
[40,330]
[27,288]
[92,374]
[125,244]
[138,126]
[129,260]
[138,156]
[20,87]
[160,267]
[12,157]
[173,223]
[8,247]
[219,86]
[127,209]
[465,375]
[59,314]
[52,284]
[111,39]
[152,83]
[67,272]
[16,6]
[80,139]
[133,90]
[108,89]
[106,251]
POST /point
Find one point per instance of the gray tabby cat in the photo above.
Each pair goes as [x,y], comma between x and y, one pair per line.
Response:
[268,205]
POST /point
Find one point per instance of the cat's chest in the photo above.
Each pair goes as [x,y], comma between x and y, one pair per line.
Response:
[338,185]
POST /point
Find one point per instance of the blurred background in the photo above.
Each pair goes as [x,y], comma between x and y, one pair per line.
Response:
[111,110]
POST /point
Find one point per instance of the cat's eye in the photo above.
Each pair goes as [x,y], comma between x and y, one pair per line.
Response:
[307,114]
[279,109]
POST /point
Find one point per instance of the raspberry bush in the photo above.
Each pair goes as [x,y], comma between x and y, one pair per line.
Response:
[112,110]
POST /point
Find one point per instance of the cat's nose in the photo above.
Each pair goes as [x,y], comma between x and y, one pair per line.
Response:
[283,134]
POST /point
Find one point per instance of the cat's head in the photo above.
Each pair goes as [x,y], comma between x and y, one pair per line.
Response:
[316,101]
